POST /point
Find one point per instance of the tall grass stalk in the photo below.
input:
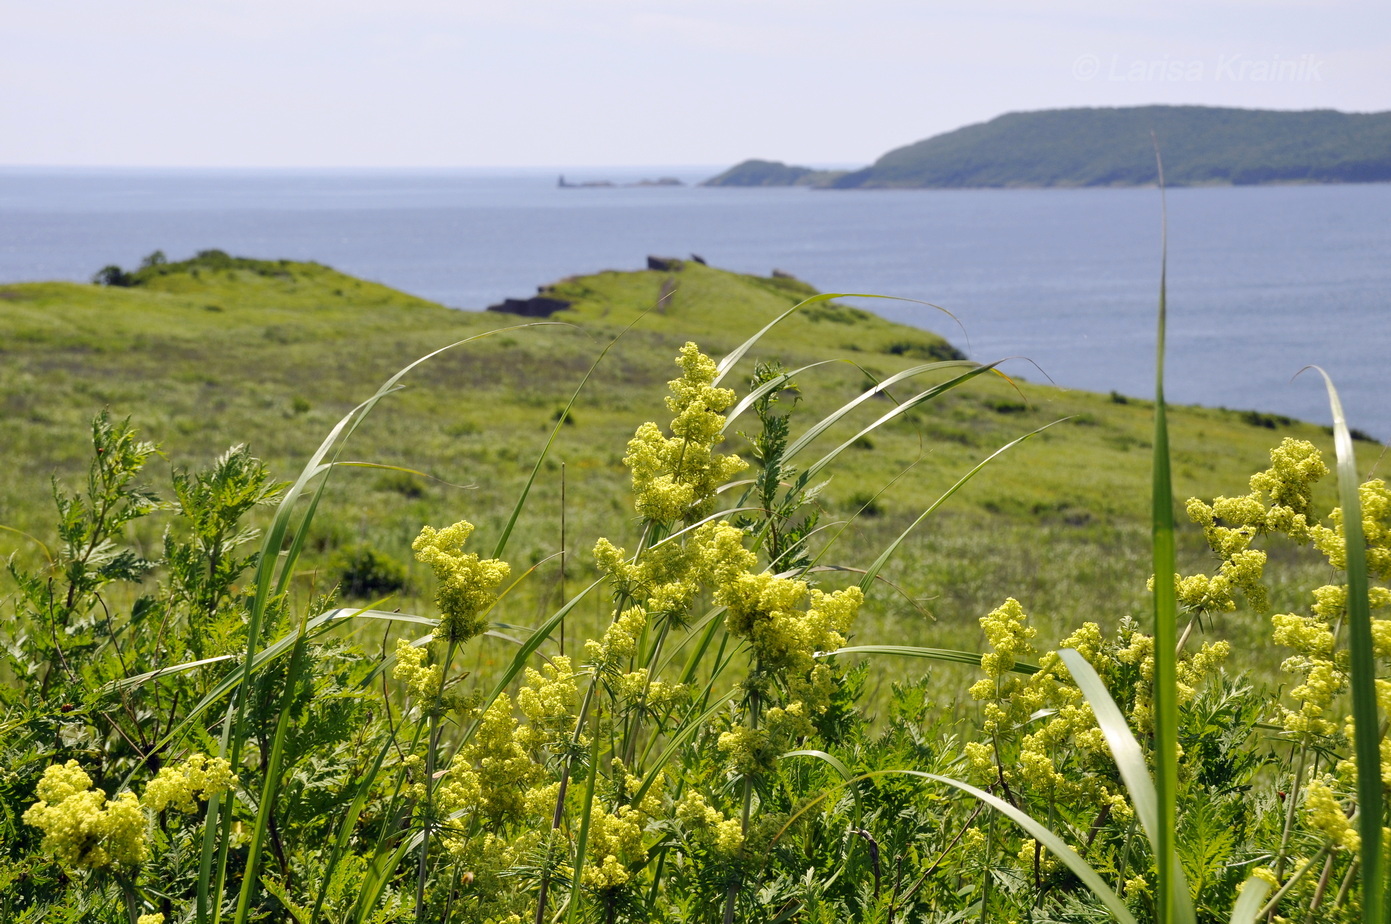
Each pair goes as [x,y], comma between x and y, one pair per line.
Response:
[1367,730]
[1171,908]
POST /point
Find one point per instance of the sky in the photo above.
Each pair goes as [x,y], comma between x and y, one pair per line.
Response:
[539,83]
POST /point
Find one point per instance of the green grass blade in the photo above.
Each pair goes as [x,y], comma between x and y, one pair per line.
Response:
[1130,761]
[1165,610]
[365,784]
[839,767]
[881,388]
[774,384]
[263,658]
[136,680]
[533,642]
[520,659]
[586,815]
[732,359]
[1041,833]
[738,353]
[949,655]
[271,562]
[693,724]
[378,877]
[1366,723]
[1248,904]
[898,411]
[271,784]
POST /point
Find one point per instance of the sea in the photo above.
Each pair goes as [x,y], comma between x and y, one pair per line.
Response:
[1262,281]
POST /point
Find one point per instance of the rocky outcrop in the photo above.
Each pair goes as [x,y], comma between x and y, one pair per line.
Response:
[539,306]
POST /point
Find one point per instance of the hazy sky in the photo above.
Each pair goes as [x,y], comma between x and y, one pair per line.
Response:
[459,83]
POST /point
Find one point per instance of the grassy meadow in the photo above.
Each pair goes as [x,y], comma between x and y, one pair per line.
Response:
[272,354]
[515,637]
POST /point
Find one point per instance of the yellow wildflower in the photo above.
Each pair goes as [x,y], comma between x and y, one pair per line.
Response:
[1324,814]
[729,836]
[177,787]
[422,680]
[676,478]
[466,582]
[620,640]
[81,826]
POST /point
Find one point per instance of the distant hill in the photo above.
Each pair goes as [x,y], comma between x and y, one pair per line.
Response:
[1112,147]
[773,173]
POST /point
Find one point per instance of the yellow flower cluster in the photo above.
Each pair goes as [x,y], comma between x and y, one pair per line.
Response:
[456,792]
[1347,768]
[198,777]
[1324,814]
[1375,500]
[1007,633]
[767,610]
[81,827]
[615,841]
[488,855]
[1277,503]
[1323,679]
[422,680]
[505,770]
[1045,739]
[676,478]
[1295,467]
[1280,502]
[615,833]
[1029,850]
[709,824]
[547,700]
[619,641]
[748,750]
[499,774]
[638,687]
[668,575]
[466,582]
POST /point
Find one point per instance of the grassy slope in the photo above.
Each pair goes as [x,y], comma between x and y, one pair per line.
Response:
[273,355]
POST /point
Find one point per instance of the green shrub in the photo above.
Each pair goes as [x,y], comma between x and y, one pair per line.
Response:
[363,572]
[113,275]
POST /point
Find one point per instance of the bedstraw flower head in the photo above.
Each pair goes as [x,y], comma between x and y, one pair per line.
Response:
[1324,814]
[421,679]
[676,478]
[619,641]
[178,787]
[466,582]
[81,827]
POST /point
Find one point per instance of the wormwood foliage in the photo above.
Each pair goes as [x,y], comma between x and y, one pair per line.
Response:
[711,756]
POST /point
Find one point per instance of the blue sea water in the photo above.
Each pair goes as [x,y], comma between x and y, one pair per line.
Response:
[1262,280]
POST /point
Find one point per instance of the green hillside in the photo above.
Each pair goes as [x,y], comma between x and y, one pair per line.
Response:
[773,173]
[1113,147]
[215,351]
